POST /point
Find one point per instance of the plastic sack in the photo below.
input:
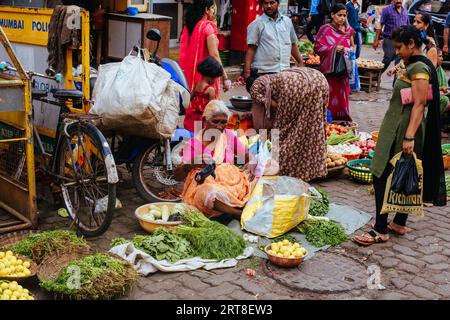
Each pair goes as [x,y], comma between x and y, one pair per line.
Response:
[276,205]
[405,179]
[355,83]
[399,202]
[137,97]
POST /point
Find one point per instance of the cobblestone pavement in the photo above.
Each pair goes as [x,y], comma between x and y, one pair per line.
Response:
[414,266]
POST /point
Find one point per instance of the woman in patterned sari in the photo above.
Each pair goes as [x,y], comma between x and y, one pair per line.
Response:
[199,41]
[297,99]
[333,37]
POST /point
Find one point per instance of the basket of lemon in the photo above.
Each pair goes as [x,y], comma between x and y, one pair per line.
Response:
[11,290]
[285,253]
[16,267]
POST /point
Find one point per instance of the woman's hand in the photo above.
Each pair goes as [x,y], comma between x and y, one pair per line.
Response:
[408,147]
[392,71]
[339,48]
[443,89]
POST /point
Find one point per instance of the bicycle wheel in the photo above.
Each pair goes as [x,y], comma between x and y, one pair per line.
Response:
[152,180]
[88,178]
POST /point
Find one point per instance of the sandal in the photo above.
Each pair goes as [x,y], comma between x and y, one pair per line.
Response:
[370,238]
[398,230]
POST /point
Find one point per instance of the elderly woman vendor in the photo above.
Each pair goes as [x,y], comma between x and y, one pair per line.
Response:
[230,190]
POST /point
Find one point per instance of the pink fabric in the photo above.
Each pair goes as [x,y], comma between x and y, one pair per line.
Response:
[327,40]
[234,147]
[194,49]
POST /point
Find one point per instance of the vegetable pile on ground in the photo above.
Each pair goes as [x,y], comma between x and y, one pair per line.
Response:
[38,245]
[306,47]
[209,239]
[366,146]
[321,232]
[319,208]
[163,213]
[336,138]
[12,266]
[101,277]
[162,245]
[13,291]
[335,160]
[336,128]
[197,236]
[287,249]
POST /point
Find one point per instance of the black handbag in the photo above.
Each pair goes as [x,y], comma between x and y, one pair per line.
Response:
[340,67]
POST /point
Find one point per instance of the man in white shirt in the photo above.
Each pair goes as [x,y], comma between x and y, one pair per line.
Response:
[271,41]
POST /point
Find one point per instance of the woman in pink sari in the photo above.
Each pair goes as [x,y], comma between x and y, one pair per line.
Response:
[199,41]
[333,37]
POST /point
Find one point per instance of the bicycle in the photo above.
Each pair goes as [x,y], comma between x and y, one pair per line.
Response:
[77,159]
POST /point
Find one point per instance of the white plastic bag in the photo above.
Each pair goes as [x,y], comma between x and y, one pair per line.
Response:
[137,97]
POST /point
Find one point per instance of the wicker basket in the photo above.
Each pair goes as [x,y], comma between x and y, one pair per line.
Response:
[360,175]
[52,265]
[10,239]
[33,269]
[284,262]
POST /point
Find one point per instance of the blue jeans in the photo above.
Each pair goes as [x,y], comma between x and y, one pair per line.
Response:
[358,43]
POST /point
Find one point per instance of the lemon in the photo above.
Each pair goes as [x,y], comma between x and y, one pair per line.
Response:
[13,297]
[283,249]
[30,298]
[2,254]
[5,297]
[8,292]
[296,245]
[286,254]
[17,294]
[25,291]
[19,268]
[280,255]
[19,262]
[286,242]
[13,286]
[27,264]
[4,286]
[280,244]
[274,246]
[8,253]
[27,272]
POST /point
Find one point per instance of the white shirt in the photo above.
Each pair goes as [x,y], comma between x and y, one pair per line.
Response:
[274,39]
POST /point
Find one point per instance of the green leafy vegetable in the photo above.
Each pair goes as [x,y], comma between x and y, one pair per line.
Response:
[286,237]
[100,277]
[210,239]
[322,232]
[38,245]
[162,245]
[319,208]
[335,139]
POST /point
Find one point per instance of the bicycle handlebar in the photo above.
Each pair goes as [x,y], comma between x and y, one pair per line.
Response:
[57,77]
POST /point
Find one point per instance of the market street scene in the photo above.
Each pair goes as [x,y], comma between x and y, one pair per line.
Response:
[233,150]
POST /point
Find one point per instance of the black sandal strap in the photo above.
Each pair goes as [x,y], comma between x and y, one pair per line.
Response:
[373,234]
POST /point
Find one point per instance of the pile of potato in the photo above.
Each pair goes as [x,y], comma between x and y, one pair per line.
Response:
[335,160]
[369,64]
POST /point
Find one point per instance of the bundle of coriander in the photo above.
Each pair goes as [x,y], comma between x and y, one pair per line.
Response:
[209,239]
[322,232]
[38,245]
[102,276]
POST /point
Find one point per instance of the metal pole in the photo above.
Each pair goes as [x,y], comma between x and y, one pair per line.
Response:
[150,6]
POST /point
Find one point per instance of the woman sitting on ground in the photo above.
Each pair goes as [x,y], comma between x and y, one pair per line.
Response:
[230,190]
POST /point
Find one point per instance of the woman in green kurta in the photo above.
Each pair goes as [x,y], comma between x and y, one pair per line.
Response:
[406,129]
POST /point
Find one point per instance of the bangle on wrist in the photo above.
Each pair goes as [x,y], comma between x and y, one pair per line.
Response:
[408,139]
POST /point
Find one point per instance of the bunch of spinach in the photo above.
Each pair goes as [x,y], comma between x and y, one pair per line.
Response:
[321,232]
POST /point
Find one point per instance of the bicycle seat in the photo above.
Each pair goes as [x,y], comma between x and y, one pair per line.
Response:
[67,94]
[37,94]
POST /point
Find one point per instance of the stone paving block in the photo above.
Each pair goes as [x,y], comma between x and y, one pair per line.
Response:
[413,261]
[399,283]
[241,295]
[385,253]
[421,292]
[223,289]
[408,268]
[389,262]
[439,266]
[162,295]
[430,249]
[216,280]
[394,296]
[153,286]
[443,290]
[428,240]
[423,282]
[405,250]
[434,258]
[250,286]
[192,282]
[186,293]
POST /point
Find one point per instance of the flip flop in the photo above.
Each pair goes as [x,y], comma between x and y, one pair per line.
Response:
[372,235]
[400,233]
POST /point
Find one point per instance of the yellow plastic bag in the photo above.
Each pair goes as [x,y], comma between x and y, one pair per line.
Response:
[277,205]
[397,202]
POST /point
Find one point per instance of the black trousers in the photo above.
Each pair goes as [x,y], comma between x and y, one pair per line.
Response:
[381,220]
[316,22]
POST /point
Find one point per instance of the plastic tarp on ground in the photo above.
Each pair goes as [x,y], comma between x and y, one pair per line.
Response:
[146,264]
[348,217]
